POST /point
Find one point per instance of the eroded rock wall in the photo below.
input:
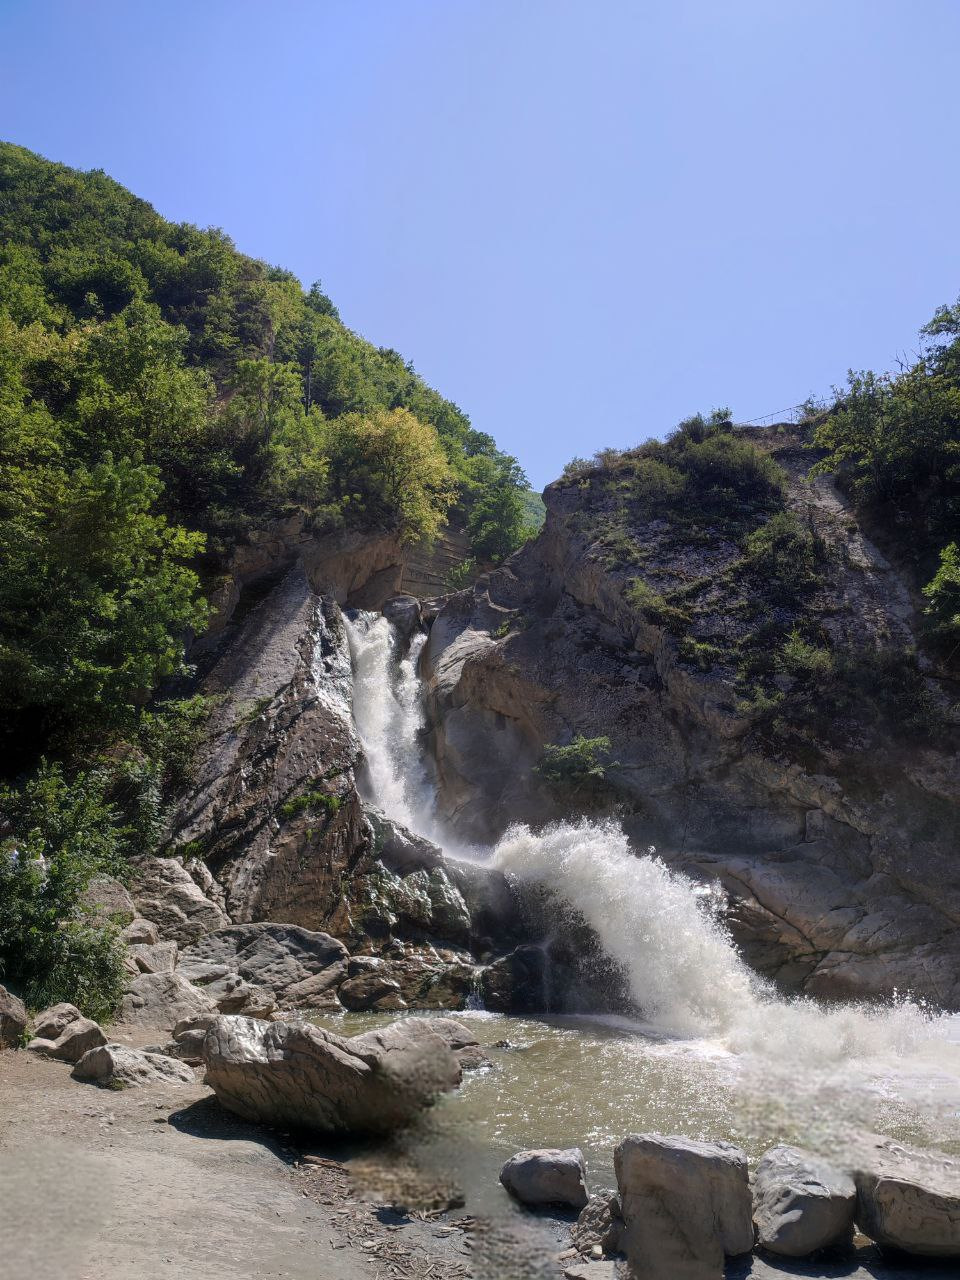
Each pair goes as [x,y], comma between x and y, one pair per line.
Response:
[840,866]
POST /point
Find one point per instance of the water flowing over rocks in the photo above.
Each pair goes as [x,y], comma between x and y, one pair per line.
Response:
[838,866]
[547,1177]
[686,1205]
[296,1074]
[801,1203]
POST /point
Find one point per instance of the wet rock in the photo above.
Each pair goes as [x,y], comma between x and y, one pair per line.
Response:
[165,892]
[368,990]
[162,1000]
[156,957]
[405,614]
[686,1205]
[118,1066]
[461,1041]
[287,961]
[298,1074]
[516,983]
[600,1225]
[13,1019]
[910,1200]
[50,1024]
[140,931]
[545,1177]
[801,1203]
[73,1042]
[106,899]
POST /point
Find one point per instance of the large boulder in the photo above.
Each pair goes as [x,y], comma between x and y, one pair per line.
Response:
[140,931]
[293,1073]
[547,1177]
[291,963]
[76,1038]
[117,1066]
[910,1200]
[13,1020]
[686,1205]
[400,849]
[166,893]
[801,1203]
[162,1000]
[371,991]
[51,1023]
[155,957]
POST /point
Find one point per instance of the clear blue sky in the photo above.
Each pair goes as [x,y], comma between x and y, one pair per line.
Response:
[581,219]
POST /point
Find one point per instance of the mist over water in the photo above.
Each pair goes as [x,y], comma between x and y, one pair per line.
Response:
[666,932]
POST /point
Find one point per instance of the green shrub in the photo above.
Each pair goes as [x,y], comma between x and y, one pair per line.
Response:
[462,575]
[655,607]
[310,802]
[804,660]
[579,767]
[63,833]
[699,653]
[942,613]
[783,558]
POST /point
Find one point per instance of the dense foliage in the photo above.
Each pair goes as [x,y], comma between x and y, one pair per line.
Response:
[162,397]
[894,441]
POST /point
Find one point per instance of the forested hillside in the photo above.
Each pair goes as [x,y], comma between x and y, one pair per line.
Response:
[163,396]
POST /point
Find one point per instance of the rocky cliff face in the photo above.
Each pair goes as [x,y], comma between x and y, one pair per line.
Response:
[837,851]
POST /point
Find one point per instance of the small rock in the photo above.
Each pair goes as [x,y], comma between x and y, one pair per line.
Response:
[13,1020]
[543,1177]
[600,1225]
[73,1042]
[118,1066]
[801,1203]
[366,990]
[140,931]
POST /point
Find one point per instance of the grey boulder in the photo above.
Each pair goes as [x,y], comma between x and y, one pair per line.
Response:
[118,1066]
[154,957]
[165,892]
[686,1205]
[547,1176]
[801,1203]
[162,1000]
[293,1073]
[140,931]
[13,1019]
[600,1225]
[77,1037]
[910,1200]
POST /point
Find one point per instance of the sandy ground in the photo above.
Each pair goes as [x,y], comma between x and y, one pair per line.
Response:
[161,1182]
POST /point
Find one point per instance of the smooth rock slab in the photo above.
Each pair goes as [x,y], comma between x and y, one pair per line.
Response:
[77,1037]
[117,1065]
[547,1176]
[296,1074]
[686,1205]
[801,1203]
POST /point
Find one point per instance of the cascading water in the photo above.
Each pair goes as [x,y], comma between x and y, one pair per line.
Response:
[683,969]
[388,714]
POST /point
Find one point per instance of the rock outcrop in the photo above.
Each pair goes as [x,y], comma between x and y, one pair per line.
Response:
[547,1177]
[284,1073]
[686,1205]
[290,965]
[909,1200]
[837,858]
[801,1203]
[161,1000]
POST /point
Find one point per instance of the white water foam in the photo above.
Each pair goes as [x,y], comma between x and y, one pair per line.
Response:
[388,714]
[684,971]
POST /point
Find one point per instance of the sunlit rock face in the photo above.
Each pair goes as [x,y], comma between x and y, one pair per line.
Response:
[837,859]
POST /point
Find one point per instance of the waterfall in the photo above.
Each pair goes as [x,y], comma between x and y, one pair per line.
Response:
[683,969]
[388,713]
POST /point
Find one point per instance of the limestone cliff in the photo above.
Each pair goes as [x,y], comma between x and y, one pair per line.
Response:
[833,832]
